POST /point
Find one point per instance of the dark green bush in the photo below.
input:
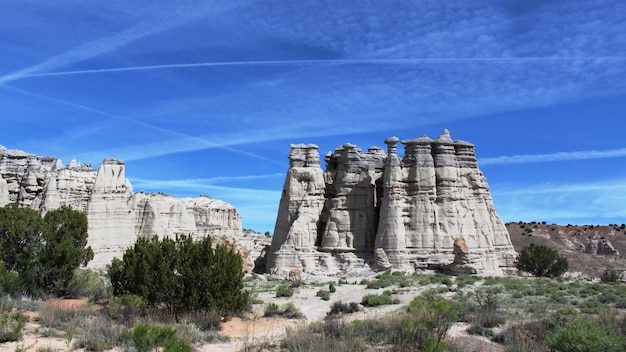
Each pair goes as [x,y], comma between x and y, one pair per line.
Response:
[283,291]
[10,282]
[323,294]
[182,275]
[42,252]
[389,279]
[480,331]
[541,260]
[587,335]
[610,276]
[11,325]
[147,338]
[340,307]
[64,249]
[288,310]
[373,300]
[271,310]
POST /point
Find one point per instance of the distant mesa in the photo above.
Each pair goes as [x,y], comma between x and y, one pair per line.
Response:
[375,210]
[117,216]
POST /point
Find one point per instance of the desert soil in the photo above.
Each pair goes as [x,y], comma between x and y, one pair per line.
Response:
[252,329]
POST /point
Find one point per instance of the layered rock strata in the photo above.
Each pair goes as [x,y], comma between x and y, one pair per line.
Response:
[117,216]
[378,209]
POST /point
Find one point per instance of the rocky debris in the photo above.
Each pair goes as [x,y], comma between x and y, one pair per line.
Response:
[412,208]
[464,262]
[600,247]
[572,242]
[117,216]
[382,261]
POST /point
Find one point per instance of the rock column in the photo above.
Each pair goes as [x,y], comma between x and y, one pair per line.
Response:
[299,211]
[391,234]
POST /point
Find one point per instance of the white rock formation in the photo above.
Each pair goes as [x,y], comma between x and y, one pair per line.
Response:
[116,215]
[413,208]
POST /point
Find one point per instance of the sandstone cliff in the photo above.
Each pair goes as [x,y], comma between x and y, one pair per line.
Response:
[117,216]
[376,207]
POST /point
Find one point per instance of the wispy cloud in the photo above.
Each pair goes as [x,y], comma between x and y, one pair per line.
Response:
[197,183]
[193,143]
[289,131]
[560,156]
[88,51]
[163,21]
[612,185]
[581,203]
[330,62]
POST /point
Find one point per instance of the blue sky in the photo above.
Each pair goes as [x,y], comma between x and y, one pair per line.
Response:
[204,97]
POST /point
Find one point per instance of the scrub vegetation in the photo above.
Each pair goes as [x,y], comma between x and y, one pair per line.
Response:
[147,303]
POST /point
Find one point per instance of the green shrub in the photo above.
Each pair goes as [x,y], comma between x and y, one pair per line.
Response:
[11,325]
[610,276]
[323,294]
[190,275]
[586,335]
[87,283]
[64,248]
[127,308]
[271,310]
[150,337]
[541,260]
[389,279]
[340,307]
[42,252]
[99,333]
[10,282]
[424,324]
[480,331]
[288,310]
[465,280]
[331,288]
[283,291]
[373,300]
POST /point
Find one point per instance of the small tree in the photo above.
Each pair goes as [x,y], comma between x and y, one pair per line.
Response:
[40,255]
[64,248]
[541,260]
[181,274]
[20,237]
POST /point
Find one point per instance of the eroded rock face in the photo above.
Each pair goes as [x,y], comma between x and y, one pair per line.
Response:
[600,247]
[413,208]
[117,216]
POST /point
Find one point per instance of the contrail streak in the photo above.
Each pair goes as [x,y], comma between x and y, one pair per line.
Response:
[197,142]
[118,40]
[327,62]
[87,51]
[561,156]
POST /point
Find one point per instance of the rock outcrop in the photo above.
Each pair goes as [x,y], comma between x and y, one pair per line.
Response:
[378,209]
[601,246]
[117,216]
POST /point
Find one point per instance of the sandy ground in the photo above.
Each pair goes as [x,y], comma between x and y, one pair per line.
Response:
[257,330]
[252,329]
[32,339]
